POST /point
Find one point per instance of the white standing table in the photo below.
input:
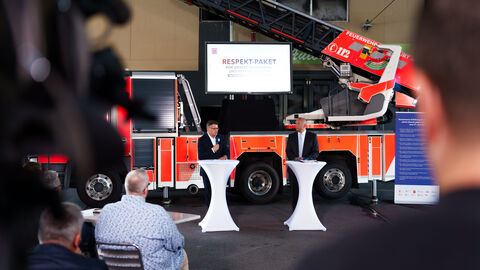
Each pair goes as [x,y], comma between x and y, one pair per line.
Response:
[218,216]
[304,217]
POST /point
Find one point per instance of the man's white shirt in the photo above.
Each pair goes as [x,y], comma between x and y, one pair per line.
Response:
[301,140]
[212,140]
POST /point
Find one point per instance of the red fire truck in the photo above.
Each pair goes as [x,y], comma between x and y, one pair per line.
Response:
[369,73]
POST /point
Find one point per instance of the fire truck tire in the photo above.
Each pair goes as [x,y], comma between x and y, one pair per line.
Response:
[333,181]
[100,189]
[259,183]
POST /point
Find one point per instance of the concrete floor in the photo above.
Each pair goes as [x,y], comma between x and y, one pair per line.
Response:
[263,241]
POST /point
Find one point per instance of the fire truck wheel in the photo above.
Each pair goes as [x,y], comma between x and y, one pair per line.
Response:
[100,189]
[259,183]
[333,181]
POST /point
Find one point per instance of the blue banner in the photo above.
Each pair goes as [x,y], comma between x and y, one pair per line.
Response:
[413,177]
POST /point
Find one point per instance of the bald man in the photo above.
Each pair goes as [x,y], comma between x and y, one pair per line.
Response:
[301,145]
[149,226]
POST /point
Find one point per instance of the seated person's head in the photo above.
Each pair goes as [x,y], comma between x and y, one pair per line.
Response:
[63,229]
[51,181]
[33,168]
[136,183]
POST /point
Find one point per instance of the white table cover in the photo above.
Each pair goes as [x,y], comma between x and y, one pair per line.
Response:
[304,217]
[218,216]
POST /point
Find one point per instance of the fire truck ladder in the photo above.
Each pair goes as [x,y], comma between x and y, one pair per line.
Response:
[282,23]
[277,21]
[191,101]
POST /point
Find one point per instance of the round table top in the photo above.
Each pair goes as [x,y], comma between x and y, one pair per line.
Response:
[217,161]
[305,162]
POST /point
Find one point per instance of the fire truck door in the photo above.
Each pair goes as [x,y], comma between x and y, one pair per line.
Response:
[165,162]
[376,158]
[186,169]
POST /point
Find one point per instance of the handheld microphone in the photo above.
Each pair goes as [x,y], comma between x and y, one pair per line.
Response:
[217,140]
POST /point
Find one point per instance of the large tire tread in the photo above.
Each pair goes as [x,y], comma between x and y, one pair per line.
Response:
[114,196]
[323,191]
[243,183]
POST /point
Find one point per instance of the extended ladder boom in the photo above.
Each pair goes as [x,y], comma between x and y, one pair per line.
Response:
[362,60]
[277,21]
[311,35]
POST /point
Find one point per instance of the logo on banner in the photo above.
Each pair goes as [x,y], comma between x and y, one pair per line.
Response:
[214,50]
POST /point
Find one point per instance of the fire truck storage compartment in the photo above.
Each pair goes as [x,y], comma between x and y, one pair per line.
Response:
[143,156]
[143,153]
[159,97]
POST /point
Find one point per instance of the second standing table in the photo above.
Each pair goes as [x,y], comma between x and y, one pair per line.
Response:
[304,217]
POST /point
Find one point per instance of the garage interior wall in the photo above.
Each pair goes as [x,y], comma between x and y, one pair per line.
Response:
[163,34]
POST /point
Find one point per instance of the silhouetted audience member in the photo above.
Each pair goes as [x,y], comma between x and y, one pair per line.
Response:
[33,171]
[33,167]
[149,226]
[59,236]
[447,237]
[52,181]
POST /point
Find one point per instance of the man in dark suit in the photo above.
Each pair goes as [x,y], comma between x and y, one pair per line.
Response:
[301,145]
[445,236]
[211,146]
[59,236]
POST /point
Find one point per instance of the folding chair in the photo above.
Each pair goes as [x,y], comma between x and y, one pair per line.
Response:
[120,256]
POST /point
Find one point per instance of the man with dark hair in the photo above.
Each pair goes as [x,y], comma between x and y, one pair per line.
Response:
[301,145]
[59,236]
[211,146]
[445,237]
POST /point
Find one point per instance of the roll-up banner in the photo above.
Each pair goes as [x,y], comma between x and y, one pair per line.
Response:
[414,183]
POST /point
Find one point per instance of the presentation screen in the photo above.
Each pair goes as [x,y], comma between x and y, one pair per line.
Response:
[248,68]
